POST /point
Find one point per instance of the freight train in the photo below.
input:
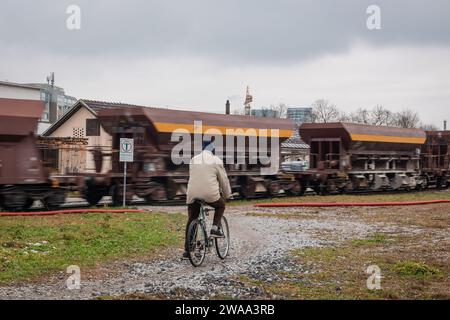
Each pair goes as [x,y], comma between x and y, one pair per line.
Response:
[348,157]
[344,157]
[23,178]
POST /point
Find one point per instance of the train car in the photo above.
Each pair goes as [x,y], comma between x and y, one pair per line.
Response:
[435,164]
[155,176]
[356,157]
[23,178]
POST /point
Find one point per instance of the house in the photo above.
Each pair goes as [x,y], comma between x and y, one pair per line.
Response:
[81,122]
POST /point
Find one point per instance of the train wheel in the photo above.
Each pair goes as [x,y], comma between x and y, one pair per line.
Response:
[116,193]
[248,190]
[55,199]
[159,193]
[116,197]
[426,183]
[94,193]
[441,183]
[29,203]
[297,189]
[321,190]
[14,199]
[274,188]
[93,197]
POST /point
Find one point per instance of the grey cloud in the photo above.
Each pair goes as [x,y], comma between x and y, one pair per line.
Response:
[249,31]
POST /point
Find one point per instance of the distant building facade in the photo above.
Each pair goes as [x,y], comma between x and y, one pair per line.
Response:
[57,103]
[300,115]
[264,113]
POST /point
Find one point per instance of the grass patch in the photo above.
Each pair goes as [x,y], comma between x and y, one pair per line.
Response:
[374,239]
[37,246]
[415,269]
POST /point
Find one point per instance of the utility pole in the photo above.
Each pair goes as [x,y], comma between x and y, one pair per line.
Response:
[248,100]
[52,107]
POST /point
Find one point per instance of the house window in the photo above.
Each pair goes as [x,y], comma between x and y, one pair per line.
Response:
[50,158]
[92,127]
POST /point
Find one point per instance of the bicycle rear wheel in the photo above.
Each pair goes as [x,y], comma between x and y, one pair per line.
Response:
[223,244]
[197,243]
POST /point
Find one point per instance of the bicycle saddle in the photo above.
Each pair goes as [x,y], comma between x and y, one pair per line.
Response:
[200,201]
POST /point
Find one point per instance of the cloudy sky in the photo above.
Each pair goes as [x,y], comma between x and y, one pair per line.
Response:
[196,54]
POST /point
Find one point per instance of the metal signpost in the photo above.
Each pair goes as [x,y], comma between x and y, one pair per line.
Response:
[126,155]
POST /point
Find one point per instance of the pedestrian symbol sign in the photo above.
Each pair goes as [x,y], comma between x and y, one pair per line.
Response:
[126,150]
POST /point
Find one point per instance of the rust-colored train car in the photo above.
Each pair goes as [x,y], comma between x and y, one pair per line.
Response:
[352,157]
[435,159]
[155,175]
[23,179]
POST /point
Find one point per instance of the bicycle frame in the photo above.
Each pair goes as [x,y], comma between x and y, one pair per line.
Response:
[202,218]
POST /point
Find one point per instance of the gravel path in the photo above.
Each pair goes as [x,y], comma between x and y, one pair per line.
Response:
[259,247]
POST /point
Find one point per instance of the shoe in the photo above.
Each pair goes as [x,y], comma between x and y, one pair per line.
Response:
[217,232]
[185,255]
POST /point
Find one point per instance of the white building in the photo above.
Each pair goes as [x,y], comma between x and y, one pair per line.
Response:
[11,90]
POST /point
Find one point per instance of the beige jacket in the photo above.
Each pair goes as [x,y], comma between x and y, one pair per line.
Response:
[207,178]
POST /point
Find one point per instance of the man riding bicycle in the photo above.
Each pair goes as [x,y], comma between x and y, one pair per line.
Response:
[207,181]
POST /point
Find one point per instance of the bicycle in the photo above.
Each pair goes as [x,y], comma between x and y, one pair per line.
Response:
[200,242]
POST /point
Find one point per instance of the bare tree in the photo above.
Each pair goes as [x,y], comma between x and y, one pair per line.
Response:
[362,116]
[281,110]
[344,117]
[324,111]
[381,116]
[378,116]
[406,119]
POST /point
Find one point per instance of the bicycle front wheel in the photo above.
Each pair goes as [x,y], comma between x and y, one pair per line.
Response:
[197,243]
[223,244]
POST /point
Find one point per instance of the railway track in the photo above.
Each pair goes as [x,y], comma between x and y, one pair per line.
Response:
[79,203]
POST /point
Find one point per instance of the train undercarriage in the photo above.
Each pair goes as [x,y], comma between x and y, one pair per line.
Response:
[354,182]
[22,197]
[161,188]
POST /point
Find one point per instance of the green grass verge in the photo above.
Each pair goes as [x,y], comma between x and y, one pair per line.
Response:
[37,246]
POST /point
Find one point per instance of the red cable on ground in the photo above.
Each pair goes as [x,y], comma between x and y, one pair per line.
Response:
[77,211]
[350,204]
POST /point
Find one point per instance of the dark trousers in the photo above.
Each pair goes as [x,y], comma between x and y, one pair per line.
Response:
[194,211]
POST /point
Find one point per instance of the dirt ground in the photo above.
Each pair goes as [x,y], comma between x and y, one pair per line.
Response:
[286,253]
